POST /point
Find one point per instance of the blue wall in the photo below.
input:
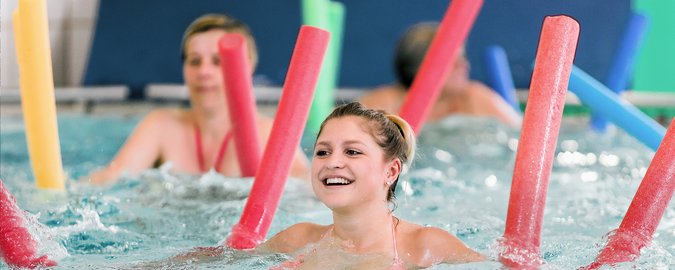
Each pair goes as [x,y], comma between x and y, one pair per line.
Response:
[137,42]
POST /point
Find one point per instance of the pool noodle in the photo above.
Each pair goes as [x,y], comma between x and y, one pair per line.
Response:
[655,65]
[327,15]
[240,101]
[438,61]
[291,116]
[337,24]
[314,13]
[604,102]
[620,69]
[536,147]
[646,209]
[17,246]
[499,75]
[37,93]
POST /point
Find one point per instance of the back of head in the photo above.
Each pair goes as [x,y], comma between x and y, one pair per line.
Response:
[393,134]
[223,22]
[411,49]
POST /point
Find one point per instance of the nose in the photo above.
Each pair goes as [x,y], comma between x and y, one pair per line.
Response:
[208,70]
[335,162]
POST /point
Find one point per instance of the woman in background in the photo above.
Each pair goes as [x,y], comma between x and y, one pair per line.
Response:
[459,95]
[197,139]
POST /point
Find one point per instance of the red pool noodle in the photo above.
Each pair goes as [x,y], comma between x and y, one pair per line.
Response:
[536,148]
[240,101]
[646,209]
[438,61]
[289,123]
[17,246]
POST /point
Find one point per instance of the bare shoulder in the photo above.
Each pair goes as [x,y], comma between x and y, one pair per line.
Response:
[162,126]
[427,246]
[295,237]
[481,90]
[486,101]
[388,98]
[164,117]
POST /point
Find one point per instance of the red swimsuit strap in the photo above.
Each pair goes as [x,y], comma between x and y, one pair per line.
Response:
[200,152]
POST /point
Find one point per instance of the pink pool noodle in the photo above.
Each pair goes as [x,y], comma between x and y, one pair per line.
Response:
[289,123]
[438,61]
[646,209]
[536,148]
[17,246]
[240,101]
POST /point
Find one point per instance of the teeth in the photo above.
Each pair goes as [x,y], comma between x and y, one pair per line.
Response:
[337,180]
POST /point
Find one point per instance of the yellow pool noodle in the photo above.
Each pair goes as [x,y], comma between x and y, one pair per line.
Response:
[36,81]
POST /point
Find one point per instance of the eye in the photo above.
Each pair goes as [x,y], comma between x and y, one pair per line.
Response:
[352,152]
[216,61]
[321,153]
[194,62]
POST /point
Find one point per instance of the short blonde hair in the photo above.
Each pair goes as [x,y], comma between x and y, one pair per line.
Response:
[220,22]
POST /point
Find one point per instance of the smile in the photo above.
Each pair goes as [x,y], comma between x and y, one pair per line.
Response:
[337,181]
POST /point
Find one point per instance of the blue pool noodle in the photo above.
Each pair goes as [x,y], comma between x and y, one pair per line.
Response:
[620,69]
[606,103]
[499,74]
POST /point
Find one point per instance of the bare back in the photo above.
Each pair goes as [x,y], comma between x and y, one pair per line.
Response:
[476,100]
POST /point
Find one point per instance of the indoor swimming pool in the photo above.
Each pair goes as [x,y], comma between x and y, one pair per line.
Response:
[460,182]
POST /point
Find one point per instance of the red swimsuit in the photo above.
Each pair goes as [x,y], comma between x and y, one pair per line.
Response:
[200,152]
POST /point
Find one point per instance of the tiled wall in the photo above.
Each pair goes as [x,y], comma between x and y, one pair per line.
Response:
[71,23]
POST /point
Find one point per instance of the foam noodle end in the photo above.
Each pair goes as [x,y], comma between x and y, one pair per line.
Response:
[231,41]
[17,246]
[242,239]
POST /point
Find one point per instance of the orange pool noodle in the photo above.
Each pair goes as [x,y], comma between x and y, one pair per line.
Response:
[37,93]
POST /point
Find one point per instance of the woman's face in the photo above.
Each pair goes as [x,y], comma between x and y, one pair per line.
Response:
[349,167]
[201,69]
[458,79]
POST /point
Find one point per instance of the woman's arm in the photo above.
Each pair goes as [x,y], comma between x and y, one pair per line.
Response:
[438,246]
[139,152]
[291,239]
[388,98]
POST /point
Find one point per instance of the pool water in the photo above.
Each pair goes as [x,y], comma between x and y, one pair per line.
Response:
[460,182]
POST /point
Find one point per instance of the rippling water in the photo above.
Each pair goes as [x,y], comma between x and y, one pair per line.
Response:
[460,182]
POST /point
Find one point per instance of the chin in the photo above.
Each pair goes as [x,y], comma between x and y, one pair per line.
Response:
[333,203]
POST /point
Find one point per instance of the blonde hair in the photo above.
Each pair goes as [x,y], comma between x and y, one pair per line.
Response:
[409,138]
[220,22]
[390,132]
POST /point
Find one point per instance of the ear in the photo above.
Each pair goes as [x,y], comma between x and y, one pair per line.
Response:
[393,169]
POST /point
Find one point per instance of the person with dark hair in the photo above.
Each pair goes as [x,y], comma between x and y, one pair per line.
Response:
[358,157]
[459,94]
[199,138]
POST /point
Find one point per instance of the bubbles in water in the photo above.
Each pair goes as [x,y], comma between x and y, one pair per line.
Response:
[460,183]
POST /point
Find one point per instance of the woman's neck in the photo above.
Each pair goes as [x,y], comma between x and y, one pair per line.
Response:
[365,229]
[450,102]
[213,122]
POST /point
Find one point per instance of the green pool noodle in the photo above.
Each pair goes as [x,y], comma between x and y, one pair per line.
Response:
[337,24]
[655,65]
[330,16]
